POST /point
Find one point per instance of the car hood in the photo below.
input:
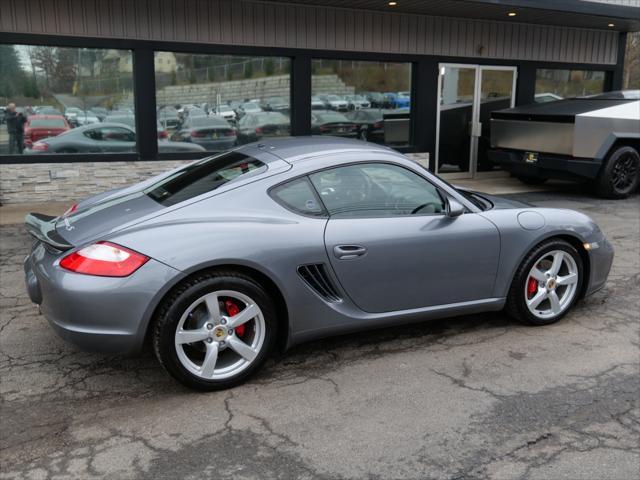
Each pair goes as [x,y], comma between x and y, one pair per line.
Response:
[499,203]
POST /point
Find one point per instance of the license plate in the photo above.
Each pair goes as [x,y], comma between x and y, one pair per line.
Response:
[342,130]
[531,157]
[214,135]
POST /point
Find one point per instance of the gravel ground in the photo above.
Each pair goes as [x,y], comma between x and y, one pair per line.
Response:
[469,397]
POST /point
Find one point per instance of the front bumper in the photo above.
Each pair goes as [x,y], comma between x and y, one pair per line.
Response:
[100,314]
[600,261]
[547,166]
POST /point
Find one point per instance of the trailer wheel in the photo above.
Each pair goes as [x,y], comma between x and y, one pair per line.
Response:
[620,174]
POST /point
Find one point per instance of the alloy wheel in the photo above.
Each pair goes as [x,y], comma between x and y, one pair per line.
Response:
[552,284]
[624,172]
[220,335]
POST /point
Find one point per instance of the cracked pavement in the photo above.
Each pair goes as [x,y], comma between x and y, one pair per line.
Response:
[462,398]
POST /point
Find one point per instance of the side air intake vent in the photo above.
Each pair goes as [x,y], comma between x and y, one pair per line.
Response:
[315,275]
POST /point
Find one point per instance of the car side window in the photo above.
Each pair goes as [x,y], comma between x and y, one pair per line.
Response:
[376,190]
[298,195]
[111,134]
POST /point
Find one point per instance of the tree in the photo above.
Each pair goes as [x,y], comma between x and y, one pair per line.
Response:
[30,87]
[631,78]
[59,66]
[12,78]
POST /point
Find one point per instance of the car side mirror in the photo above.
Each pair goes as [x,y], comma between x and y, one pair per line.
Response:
[454,208]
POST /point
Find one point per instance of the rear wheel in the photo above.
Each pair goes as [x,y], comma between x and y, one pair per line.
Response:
[547,284]
[215,331]
[620,174]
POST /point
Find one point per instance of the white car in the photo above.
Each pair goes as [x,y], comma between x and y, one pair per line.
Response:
[356,102]
[225,111]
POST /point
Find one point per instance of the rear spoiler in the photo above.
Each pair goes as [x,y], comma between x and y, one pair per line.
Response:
[43,227]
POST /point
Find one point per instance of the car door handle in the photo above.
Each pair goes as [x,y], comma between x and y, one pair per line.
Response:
[348,252]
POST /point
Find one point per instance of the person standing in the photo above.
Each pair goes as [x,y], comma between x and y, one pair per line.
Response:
[15,127]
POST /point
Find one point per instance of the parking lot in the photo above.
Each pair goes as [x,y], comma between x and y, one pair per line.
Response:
[468,397]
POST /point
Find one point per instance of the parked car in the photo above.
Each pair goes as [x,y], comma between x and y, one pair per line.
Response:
[39,127]
[276,104]
[376,99]
[369,124]
[99,112]
[168,117]
[590,138]
[47,110]
[3,111]
[254,126]
[121,117]
[220,261]
[103,138]
[335,102]
[71,114]
[212,133]
[328,122]
[546,97]
[248,107]
[86,117]
[356,102]
[225,111]
[317,103]
[397,100]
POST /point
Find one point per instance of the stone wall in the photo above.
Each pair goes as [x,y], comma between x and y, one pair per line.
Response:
[54,182]
[68,182]
[260,88]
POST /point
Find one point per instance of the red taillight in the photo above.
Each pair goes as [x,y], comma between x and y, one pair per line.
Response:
[230,133]
[71,210]
[377,125]
[195,133]
[324,129]
[258,130]
[104,259]
[163,134]
[40,147]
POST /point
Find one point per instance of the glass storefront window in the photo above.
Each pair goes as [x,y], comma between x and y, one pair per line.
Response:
[54,99]
[361,99]
[552,84]
[215,102]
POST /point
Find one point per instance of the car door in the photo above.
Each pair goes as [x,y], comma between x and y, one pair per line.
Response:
[393,247]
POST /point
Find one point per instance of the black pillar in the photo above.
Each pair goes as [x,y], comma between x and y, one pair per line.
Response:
[301,95]
[144,89]
[526,84]
[617,76]
[424,93]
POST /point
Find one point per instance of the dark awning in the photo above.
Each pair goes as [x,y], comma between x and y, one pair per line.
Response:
[568,13]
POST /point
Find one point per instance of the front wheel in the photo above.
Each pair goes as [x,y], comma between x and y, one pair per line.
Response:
[215,331]
[620,174]
[547,284]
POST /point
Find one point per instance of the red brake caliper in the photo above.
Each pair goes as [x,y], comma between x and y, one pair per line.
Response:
[232,310]
[532,287]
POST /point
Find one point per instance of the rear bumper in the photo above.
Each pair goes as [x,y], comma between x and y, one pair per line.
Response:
[100,314]
[547,166]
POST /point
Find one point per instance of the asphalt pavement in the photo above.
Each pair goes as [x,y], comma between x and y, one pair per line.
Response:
[462,398]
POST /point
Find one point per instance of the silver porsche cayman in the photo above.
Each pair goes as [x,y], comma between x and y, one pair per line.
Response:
[275,243]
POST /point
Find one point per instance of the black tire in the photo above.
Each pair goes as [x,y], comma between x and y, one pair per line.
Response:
[174,306]
[532,180]
[620,174]
[364,134]
[516,306]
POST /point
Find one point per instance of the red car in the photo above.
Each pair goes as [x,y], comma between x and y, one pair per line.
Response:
[43,126]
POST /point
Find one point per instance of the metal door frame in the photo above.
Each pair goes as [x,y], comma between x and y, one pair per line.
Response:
[476,128]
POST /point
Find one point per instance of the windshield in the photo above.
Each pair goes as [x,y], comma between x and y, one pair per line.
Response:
[204,176]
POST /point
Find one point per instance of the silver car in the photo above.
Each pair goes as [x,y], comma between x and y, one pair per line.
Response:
[272,244]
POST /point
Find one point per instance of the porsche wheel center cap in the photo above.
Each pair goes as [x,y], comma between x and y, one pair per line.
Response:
[220,333]
[551,284]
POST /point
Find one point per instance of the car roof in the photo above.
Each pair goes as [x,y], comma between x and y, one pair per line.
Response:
[295,148]
[45,117]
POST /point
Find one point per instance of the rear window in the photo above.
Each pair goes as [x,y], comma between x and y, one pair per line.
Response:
[47,123]
[204,176]
[332,117]
[207,121]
